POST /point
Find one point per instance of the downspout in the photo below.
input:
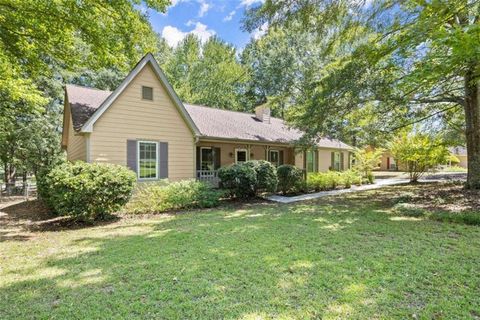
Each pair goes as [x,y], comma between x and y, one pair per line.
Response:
[87,147]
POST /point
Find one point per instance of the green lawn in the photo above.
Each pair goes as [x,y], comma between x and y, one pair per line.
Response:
[332,258]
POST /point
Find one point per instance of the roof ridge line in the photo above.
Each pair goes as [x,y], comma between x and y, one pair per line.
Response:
[226,110]
[85,87]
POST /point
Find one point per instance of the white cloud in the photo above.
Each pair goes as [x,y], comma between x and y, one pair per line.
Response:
[258,33]
[248,3]
[204,7]
[174,35]
[190,23]
[229,16]
[202,32]
[173,3]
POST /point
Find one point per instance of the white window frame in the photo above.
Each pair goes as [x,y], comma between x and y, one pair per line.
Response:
[278,156]
[236,154]
[201,157]
[156,162]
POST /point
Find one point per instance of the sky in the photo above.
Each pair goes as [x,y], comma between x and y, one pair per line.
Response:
[205,18]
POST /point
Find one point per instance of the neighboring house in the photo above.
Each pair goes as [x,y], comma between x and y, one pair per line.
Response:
[388,162]
[144,125]
[461,153]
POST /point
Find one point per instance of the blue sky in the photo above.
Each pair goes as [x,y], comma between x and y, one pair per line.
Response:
[204,18]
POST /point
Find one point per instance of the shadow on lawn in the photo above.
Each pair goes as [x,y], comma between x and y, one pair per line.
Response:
[19,219]
[300,261]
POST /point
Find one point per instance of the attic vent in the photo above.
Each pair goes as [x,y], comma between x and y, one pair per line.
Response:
[147,93]
[263,114]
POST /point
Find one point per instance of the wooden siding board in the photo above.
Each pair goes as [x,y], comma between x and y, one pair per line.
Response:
[131,118]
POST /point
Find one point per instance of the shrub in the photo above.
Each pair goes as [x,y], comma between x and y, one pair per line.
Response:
[290,179]
[332,179]
[419,153]
[351,177]
[163,196]
[370,178]
[239,179]
[86,191]
[267,179]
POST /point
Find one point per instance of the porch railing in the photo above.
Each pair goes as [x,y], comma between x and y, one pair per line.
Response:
[210,176]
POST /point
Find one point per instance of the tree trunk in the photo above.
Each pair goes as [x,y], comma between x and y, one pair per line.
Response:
[472,118]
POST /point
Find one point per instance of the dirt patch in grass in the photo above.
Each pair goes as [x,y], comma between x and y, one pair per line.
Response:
[450,197]
[20,219]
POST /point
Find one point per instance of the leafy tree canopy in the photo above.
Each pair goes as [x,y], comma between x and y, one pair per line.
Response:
[207,74]
[410,61]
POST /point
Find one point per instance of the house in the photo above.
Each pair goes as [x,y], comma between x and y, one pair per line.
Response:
[144,125]
[388,162]
[461,153]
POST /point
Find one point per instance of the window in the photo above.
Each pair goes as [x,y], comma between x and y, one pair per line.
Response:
[240,155]
[274,157]
[392,163]
[147,93]
[147,160]
[337,161]
[310,161]
[206,159]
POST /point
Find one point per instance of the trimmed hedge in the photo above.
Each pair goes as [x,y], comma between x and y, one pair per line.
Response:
[164,196]
[243,180]
[267,179]
[290,179]
[86,190]
[239,180]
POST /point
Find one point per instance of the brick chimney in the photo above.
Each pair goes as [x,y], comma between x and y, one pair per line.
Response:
[262,113]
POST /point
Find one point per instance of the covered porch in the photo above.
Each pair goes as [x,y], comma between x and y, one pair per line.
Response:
[211,155]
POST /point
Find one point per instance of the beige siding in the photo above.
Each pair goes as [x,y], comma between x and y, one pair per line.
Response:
[325,159]
[130,117]
[76,144]
[299,159]
[463,161]
[257,152]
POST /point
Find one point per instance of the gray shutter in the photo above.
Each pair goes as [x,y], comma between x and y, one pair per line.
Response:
[342,161]
[216,158]
[132,155]
[280,157]
[332,165]
[163,160]
[198,158]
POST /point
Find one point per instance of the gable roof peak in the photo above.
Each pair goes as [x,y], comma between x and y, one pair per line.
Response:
[147,59]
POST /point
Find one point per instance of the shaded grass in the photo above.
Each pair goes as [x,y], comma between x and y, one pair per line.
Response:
[339,257]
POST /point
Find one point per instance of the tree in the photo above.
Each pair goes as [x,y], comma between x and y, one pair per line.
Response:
[419,153]
[366,160]
[207,74]
[412,60]
[43,43]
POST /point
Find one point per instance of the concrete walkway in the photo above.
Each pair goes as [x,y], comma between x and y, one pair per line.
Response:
[380,183]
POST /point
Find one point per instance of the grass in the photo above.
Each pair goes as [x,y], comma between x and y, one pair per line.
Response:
[454,169]
[352,256]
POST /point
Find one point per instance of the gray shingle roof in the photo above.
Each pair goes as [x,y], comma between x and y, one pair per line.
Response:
[212,123]
[458,150]
[226,124]
[84,102]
